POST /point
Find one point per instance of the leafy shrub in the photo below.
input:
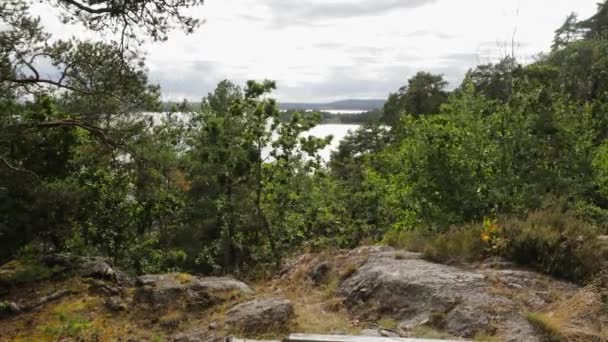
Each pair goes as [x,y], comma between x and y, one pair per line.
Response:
[592,213]
[556,242]
[21,272]
[410,240]
[457,245]
[552,240]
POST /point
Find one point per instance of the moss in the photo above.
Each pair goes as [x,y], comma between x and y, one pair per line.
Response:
[68,325]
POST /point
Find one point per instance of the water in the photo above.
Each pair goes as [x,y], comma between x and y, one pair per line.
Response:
[338,131]
[344,111]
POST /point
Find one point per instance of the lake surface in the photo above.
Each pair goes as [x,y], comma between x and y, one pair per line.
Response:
[343,111]
[337,130]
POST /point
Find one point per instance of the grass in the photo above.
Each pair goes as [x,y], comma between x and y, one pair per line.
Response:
[348,269]
[388,324]
[172,319]
[68,325]
[428,332]
[19,272]
[485,338]
[184,278]
[581,317]
[550,326]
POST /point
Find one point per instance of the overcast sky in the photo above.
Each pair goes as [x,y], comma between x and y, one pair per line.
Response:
[322,50]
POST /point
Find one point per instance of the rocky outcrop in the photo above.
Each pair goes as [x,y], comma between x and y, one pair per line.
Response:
[160,290]
[88,267]
[464,302]
[260,315]
[196,335]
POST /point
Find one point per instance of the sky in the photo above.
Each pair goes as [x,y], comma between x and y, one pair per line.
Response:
[326,50]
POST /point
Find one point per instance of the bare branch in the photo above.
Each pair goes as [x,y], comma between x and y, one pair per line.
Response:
[18,169]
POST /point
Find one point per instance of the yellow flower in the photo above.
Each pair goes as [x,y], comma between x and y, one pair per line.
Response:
[485,237]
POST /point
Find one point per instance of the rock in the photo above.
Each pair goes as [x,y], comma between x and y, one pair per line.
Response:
[196,292]
[318,273]
[100,287]
[7,308]
[223,284]
[196,335]
[14,308]
[388,333]
[535,290]
[54,296]
[416,292]
[115,303]
[371,332]
[91,267]
[260,315]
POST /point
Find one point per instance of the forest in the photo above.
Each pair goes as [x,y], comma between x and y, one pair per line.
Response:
[513,162]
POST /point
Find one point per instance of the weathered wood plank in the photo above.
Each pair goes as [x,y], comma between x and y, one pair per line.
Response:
[347,338]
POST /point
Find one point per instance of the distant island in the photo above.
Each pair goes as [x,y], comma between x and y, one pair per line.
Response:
[370,109]
[349,104]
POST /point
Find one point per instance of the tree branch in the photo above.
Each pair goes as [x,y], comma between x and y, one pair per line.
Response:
[89,9]
[18,169]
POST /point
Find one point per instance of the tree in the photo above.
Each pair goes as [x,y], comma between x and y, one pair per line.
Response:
[596,27]
[567,33]
[248,169]
[423,95]
[495,81]
[72,164]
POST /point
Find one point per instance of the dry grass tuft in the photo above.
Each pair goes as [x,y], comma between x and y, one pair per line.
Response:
[428,332]
[388,324]
[582,317]
[184,278]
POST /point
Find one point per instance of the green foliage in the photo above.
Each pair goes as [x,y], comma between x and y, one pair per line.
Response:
[555,242]
[236,183]
[600,166]
[457,245]
[26,271]
[68,325]
[423,95]
[552,240]
[4,307]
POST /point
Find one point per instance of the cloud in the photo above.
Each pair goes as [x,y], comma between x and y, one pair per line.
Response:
[435,34]
[289,12]
[188,80]
[345,82]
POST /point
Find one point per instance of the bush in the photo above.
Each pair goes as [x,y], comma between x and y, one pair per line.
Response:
[457,245]
[26,271]
[552,241]
[593,214]
[555,242]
